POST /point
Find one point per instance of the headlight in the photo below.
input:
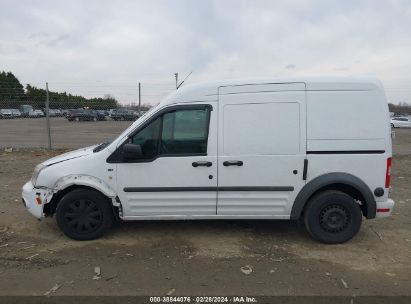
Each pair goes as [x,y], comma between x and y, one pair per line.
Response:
[36,173]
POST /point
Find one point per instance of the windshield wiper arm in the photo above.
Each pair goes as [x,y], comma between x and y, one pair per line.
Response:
[101,146]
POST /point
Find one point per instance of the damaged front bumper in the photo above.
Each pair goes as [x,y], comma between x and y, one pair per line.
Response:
[34,199]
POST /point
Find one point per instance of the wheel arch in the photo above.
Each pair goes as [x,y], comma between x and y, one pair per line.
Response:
[341,181]
[69,183]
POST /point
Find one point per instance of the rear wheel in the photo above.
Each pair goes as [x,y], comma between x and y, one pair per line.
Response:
[332,217]
[84,214]
[392,126]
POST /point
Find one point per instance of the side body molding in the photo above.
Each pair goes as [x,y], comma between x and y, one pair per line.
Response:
[334,178]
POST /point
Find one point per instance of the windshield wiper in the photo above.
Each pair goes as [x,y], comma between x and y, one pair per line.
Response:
[101,146]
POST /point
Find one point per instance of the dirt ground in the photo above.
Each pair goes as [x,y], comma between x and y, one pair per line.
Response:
[202,257]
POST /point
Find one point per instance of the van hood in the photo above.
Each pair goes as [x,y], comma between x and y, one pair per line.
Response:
[69,155]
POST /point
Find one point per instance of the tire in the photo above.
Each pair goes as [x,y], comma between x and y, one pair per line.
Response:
[332,217]
[392,126]
[77,119]
[84,214]
[94,119]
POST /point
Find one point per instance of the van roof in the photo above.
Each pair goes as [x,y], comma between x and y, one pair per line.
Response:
[207,91]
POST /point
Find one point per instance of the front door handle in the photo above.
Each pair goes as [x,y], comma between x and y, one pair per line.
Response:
[232,163]
[202,163]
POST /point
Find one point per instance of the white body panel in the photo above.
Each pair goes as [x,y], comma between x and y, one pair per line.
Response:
[266,131]
[369,168]
[335,120]
[171,172]
[272,126]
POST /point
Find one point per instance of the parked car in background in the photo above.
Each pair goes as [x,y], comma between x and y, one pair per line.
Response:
[400,115]
[82,115]
[105,112]
[65,112]
[36,113]
[16,113]
[52,113]
[122,114]
[6,114]
[401,122]
[58,112]
[111,111]
[25,110]
[101,114]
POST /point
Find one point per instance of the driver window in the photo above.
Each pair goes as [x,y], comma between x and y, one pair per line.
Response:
[185,132]
[148,139]
[180,132]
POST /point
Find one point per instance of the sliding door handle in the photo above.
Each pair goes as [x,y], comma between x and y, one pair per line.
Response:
[232,163]
[202,164]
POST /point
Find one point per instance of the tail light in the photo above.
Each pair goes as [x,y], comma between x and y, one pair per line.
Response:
[388,173]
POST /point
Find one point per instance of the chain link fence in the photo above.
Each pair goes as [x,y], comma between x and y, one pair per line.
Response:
[46,116]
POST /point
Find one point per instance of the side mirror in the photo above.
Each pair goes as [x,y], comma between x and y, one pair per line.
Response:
[132,152]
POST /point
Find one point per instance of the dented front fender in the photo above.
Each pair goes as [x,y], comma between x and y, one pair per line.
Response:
[84,180]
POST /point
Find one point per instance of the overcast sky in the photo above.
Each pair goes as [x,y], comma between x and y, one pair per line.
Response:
[107,47]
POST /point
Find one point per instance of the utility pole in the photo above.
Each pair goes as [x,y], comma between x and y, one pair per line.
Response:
[176,76]
[139,99]
[48,117]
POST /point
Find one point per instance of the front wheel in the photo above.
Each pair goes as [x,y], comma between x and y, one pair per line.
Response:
[84,214]
[332,217]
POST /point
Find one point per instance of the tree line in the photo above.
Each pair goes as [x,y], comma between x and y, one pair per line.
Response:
[402,107]
[13,95]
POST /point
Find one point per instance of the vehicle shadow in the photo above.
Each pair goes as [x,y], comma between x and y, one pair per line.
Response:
[279,229]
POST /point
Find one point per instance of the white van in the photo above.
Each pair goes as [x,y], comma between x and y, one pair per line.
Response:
[315,149]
